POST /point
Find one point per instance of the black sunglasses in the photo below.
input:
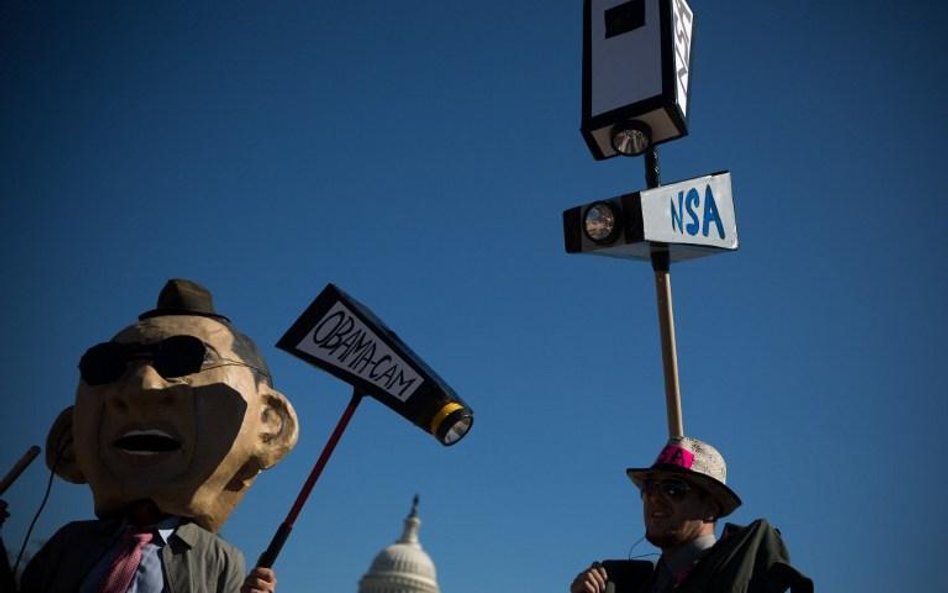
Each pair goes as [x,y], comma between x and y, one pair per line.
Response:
[172,357]
[674,488]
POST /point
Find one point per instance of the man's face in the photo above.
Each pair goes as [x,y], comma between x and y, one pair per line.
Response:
[674,516]
[190,443]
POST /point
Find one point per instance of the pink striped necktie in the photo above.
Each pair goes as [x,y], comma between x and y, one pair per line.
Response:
[126,562]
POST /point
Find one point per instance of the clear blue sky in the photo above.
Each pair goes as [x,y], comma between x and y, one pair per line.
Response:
[419,155]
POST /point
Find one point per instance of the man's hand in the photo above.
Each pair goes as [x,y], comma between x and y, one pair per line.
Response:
[591,580]
[260,580]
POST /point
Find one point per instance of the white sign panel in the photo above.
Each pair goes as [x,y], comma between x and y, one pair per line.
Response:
[684,23]
[626,53]
[341,340]
[698,211]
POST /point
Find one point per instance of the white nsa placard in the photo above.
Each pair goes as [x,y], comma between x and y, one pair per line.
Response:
[697,211]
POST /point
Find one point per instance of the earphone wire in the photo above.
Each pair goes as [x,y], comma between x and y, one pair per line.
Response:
[39,511]
[635,545]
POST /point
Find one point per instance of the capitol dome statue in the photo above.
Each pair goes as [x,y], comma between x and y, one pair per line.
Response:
[403,567]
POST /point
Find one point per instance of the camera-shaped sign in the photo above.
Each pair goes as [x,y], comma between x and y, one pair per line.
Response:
[693,218]
[343,337]
[636,70]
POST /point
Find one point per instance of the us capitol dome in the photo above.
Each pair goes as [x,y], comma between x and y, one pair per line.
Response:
[403,567]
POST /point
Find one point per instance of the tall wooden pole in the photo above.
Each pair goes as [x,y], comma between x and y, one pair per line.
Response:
[666,316]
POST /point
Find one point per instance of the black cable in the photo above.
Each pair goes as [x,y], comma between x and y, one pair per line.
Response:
[637,542]
[39,511]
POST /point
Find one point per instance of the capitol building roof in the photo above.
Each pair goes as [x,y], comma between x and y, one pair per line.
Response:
[403,567]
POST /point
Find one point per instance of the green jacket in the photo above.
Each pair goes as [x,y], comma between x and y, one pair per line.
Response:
[751,559]
[195,560]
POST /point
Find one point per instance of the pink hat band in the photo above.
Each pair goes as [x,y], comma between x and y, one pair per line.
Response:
[674,454]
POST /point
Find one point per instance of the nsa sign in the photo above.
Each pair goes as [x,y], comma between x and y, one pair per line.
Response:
[696,212]
[693,218]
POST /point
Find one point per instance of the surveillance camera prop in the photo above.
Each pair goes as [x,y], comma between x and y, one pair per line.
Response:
[636,71]
[692,218]
[343,337]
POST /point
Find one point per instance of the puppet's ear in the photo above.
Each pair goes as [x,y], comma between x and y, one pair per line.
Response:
[60,454]
[280,428]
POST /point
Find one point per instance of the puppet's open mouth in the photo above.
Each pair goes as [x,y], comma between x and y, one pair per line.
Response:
[146,442]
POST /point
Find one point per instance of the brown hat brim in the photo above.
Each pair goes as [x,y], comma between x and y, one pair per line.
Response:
[161,312]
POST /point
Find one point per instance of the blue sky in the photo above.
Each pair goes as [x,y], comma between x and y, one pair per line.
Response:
[419,155]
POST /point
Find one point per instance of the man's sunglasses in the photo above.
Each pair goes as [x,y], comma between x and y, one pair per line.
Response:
[172,357]
[674,488]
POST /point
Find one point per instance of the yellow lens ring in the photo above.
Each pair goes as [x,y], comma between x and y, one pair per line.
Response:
[445,411]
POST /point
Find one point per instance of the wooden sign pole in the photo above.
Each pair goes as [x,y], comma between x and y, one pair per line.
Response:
[666,316]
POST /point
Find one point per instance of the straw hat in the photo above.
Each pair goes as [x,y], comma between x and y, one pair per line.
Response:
[699,462]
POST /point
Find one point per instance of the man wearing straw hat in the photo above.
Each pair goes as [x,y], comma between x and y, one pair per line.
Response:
[684,493]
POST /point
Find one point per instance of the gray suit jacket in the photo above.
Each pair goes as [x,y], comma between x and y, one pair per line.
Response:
[194,559]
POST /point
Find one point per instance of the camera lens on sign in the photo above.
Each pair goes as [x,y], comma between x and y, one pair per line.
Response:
[631,139]
[600,222]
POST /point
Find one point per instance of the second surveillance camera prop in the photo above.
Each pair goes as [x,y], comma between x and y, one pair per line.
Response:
[636,69]
[342,336]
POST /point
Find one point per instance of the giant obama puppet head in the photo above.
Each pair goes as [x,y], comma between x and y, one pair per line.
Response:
[177,409]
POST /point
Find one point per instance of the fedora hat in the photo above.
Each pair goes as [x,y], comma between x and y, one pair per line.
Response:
[697,461]
[184,297]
